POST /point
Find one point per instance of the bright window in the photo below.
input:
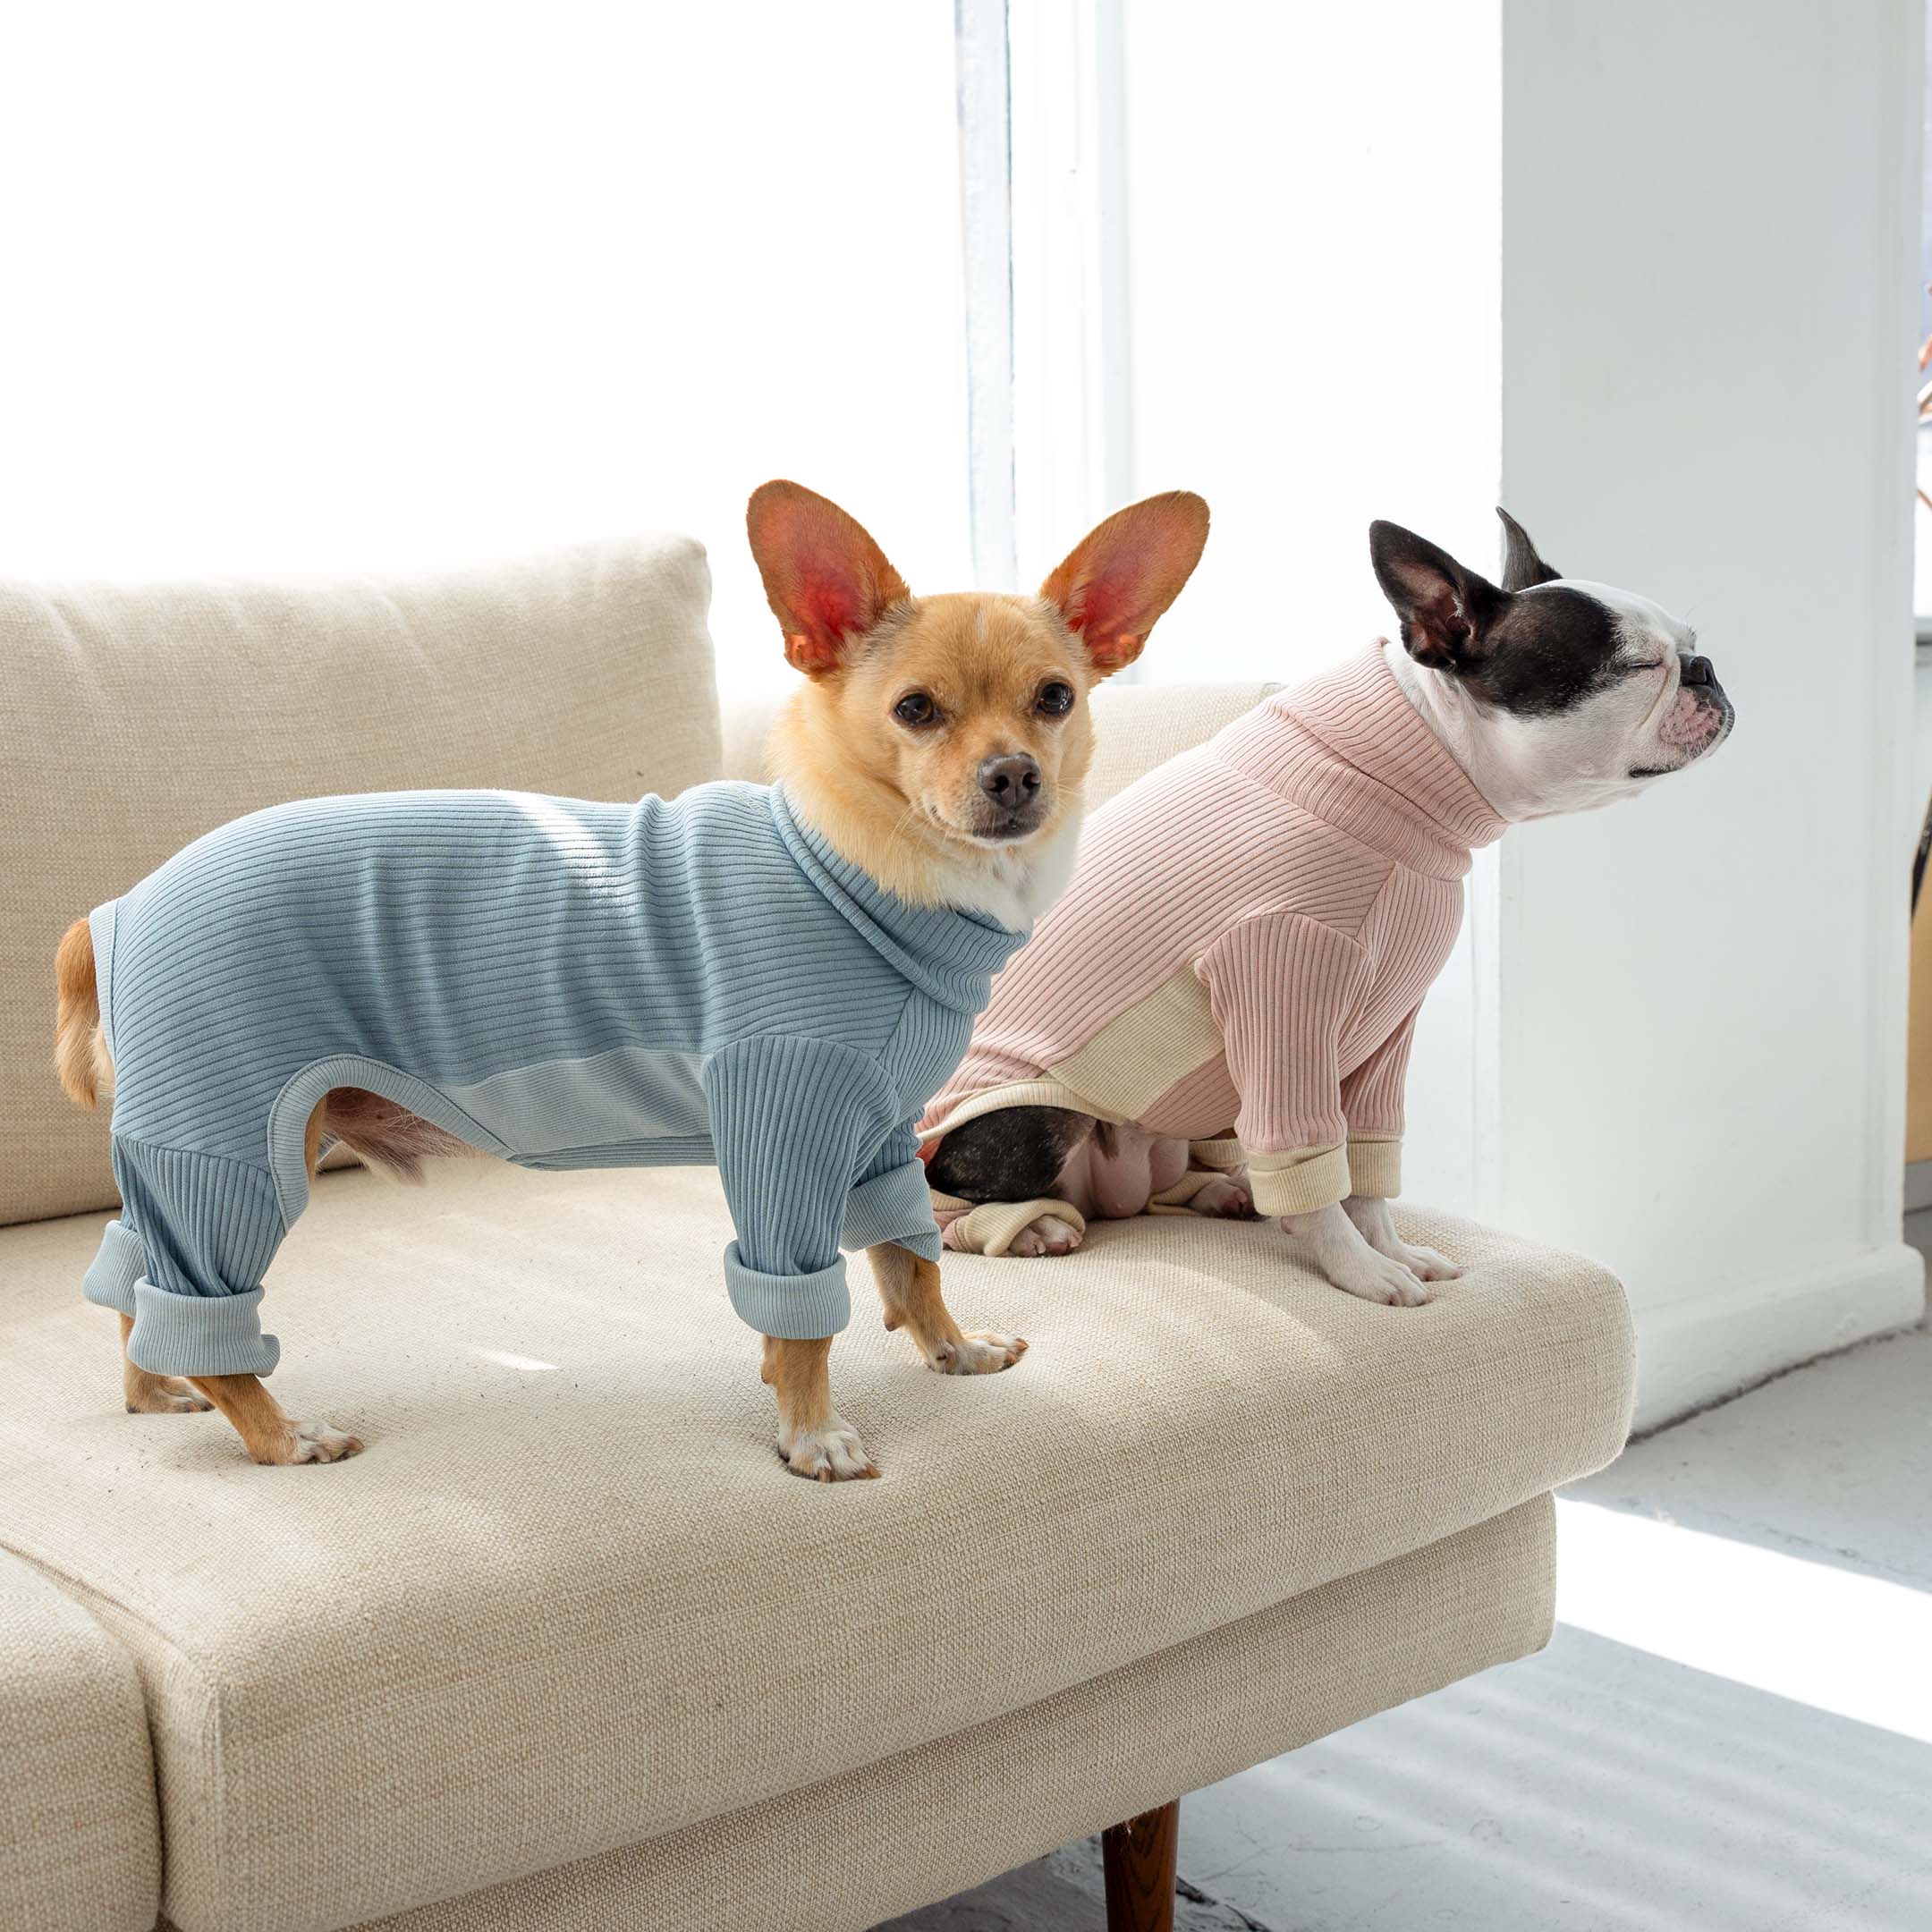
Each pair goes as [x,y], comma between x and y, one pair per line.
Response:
[380,287]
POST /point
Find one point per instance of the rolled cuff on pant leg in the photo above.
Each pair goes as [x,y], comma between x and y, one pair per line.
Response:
[111,1276]
[796,1308]
[1298,1183]
[200,1334]
[895,1206]
[1374,1165]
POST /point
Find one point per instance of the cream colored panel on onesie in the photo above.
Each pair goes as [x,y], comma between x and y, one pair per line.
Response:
[1136,1057]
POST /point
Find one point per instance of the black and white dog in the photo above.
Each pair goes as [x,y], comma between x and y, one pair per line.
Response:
[1556,694]
[1549,693]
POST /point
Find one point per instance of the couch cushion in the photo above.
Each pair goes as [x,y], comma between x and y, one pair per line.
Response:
[80,1842]
[1136,728]
[137,719]
[569,1598]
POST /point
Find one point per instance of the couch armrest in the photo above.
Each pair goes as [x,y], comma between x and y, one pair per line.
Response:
[79,1841]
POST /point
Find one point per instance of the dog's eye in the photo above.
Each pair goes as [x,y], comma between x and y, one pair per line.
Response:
[1055,699]
[915,708]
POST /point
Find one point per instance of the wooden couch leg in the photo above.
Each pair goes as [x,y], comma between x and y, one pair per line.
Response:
[1139,1861]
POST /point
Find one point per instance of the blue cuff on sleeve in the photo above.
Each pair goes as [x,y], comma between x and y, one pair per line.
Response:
[798,1307]
[895,1206]
[200,1334]
[109,1281]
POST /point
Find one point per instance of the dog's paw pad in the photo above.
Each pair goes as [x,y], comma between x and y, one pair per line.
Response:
[833,1453]
[1062,1237]
[322,1442]
[1227,1199]
[978,1354]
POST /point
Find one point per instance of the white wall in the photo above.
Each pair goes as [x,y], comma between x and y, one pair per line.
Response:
[1314,212]
[1654,264]
[1709,249]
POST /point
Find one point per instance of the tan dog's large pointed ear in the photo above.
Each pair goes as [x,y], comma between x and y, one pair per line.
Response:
[1120,577]
[827,582]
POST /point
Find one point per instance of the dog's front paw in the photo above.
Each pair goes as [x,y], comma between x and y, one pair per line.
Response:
[833,1453]
[321,1441]
[978,1354]
[1376,1278]
[1428,1266]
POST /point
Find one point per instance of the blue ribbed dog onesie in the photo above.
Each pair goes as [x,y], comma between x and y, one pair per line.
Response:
[559,983]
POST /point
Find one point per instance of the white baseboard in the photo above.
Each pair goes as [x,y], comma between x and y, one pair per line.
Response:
[1692,1353]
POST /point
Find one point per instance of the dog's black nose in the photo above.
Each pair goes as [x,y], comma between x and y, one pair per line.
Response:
[1697,671]
[1011,781]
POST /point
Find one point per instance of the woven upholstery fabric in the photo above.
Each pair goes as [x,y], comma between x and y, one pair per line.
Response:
[135,720]
[569,1600]
[1136,728]
[78,1845]
[841,1856]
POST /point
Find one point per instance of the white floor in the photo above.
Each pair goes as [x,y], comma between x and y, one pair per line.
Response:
[1731,1731]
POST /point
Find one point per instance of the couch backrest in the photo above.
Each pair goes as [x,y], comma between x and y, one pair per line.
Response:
[1136,728]
[131,720]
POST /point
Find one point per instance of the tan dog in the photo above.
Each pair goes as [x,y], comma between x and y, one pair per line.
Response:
[938,748]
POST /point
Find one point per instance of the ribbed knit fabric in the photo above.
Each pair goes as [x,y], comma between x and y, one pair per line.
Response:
[560,983]
[1246,940]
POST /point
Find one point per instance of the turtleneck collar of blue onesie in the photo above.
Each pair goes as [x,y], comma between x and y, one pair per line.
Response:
[950,955]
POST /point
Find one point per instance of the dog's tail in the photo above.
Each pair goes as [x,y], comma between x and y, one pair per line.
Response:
[379,1132]
[80,1050]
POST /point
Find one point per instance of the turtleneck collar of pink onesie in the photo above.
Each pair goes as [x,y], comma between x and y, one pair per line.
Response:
[1349,747]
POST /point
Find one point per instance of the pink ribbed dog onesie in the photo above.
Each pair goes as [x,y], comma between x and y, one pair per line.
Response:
[1245,942]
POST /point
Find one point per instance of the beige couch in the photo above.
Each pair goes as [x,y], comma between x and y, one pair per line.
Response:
[567,1649]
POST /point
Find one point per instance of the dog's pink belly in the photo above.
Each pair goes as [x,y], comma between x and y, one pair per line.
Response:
[1118,1186]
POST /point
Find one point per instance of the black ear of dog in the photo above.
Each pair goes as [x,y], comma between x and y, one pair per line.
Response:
[1447,612]
[1521,566]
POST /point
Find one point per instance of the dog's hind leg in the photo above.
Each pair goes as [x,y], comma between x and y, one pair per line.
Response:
[909,1286]
[1013,1155]
[155,1394]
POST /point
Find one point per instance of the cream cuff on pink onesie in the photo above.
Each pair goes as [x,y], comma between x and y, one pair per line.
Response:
[989,1228]
[1308,1179]
[1374,1165]
[1299,1181]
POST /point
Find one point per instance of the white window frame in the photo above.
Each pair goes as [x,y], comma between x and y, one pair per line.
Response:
[1043,198]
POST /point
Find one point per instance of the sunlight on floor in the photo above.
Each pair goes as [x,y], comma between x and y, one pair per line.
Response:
[1855,1645]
